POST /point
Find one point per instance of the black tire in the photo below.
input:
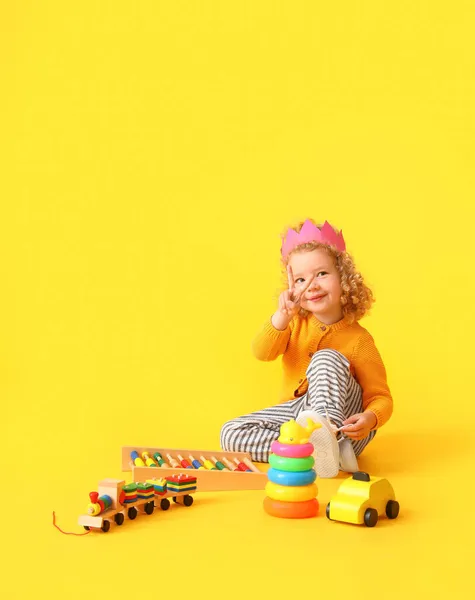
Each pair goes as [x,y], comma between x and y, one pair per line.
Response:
[106,525]
[392,509]
[119,518]
[87,528]
[327,510]
[188,500]
[132,513]
[165,503]
[370,517]
[149,508]
[174,499]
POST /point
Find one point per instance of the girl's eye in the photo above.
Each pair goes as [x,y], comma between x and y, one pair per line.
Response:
[322,273]
[299,280]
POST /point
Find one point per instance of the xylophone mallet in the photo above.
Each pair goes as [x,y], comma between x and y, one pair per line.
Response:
[184,463]
[208,464]
[219,464]
[241,466]
[158,457]
[175,464]
[148,461]
[249,464]
[138,462]
[196,463]
[230,465]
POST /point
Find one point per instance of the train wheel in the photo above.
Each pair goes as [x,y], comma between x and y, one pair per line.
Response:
[174,499]
[188,500]
[165,503]
[105,526]
[132,513]
[119,518]
[149,508]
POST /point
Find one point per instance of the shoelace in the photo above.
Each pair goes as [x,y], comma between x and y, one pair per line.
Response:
[337,433]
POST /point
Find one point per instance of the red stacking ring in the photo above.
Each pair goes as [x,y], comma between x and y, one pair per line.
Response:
[291,510]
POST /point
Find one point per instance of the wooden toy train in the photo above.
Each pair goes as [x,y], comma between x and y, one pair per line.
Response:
[115,499]
[156,479]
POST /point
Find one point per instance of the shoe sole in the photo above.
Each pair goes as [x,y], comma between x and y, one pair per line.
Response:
[327,452]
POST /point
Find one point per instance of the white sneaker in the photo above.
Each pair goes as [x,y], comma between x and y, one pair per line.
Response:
[348,462]
[326,451]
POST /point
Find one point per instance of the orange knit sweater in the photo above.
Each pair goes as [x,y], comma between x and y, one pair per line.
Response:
[306,335]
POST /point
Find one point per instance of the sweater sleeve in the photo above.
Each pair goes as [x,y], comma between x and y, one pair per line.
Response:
[370,373]
[270,342]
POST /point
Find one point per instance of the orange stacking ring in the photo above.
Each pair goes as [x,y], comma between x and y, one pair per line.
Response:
[291,510]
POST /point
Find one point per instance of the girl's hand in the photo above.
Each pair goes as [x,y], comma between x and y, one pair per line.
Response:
[289,300]
[358,426]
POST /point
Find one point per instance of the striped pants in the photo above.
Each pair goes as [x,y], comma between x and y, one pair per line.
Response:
[332,393]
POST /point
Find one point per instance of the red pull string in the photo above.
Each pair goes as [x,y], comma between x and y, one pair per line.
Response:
[66,532]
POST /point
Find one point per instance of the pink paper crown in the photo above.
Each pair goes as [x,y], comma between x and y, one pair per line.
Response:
[311,233]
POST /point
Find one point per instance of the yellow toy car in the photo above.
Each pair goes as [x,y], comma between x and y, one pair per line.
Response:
[363,499]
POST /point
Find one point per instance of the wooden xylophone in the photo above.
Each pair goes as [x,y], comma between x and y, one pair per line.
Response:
[215,470]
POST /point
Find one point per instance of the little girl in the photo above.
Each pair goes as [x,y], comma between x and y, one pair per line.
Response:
[333,372]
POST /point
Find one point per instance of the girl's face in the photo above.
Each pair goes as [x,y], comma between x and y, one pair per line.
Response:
[322,297]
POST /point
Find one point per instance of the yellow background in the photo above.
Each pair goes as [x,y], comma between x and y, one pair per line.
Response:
[152,153]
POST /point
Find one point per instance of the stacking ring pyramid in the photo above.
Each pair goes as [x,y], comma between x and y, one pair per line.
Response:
[291,491]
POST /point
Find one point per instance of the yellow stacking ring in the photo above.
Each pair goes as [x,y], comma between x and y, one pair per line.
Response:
[291,493]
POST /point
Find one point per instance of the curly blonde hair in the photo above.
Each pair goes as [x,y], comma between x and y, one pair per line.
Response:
[356,298]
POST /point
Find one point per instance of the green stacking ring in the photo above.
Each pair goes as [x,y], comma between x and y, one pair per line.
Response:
[291,464]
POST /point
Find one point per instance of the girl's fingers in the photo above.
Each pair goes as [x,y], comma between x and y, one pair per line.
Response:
[356,435]
[283,302]
[351,420]
[350,430]
[282,306]
[307,285]
[303,290]
[290,278]
[355,428]
[353,436]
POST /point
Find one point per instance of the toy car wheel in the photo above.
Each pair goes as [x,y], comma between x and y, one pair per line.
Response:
[174,499]
[149,508]
[328,511]
[188,500]
[392,509]
[105,526]
[132,513]
[164,504]
[119,518]
[370,517]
